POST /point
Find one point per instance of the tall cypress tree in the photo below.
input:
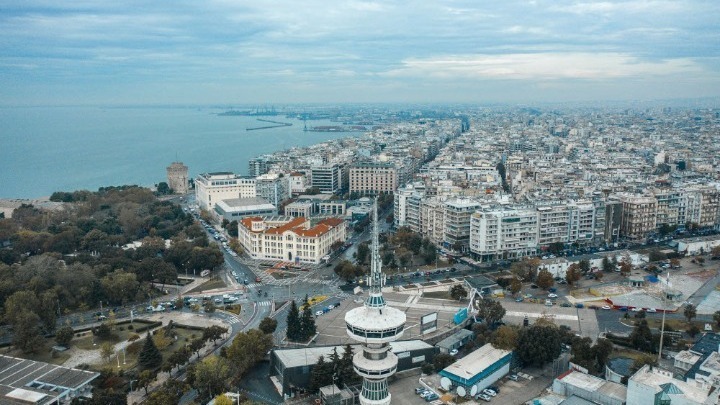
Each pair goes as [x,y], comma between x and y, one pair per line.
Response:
[294,328]
[307,323]
[149,356]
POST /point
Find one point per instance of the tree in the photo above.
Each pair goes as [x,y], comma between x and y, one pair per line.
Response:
[149,357]
[641,337]
[538,344]
[490,311]
[212,375]
[625,266]
[223,399]
[690,312]
[268,325]
[144,379]
[716,318]
[209,307]
[163,188]
[526,269]
[607,265]
[693,330]
[544,279]
[515,286]
[443,360]
[169,393]
[572,275]
[584,265]
[321,374]
[64,335]
[106,351]
[505,337]
[458,292]
[294,327]
[214,333]
[345,371]
[160,340]
[307,322]
[247,349]
[26,332]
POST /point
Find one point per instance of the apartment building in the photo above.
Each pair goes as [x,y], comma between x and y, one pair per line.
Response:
[371,178]
[213,187]
[273,187]
[298,183]
[326,178]
[502,233]
[553,224]
[581,225]
[290,239]
[639,216]
[456,222]
[432,219]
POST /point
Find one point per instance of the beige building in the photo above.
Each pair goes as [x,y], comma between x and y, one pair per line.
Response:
[639,216]
[177,176]
[290,239]
[213,187]
[373,178]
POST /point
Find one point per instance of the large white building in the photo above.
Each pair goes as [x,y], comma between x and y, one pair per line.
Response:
[476,371]
[290,239]
[497,233]
[652,386]
[210,188]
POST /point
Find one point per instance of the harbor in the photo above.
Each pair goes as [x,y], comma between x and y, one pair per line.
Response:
[278,124]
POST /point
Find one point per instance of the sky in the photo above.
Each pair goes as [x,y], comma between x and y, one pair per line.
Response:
[79,52]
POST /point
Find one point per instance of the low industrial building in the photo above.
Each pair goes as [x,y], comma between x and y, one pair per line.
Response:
[237,208]
[695,246]
[291,368]
[484,285]
[590,388]
[476,371]
[34,382]
[455,341]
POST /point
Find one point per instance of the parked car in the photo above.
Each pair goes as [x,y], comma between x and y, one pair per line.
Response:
[489,392]
[484,397]
[318,313]
[551,295]
[420,390]
[606,307]
[651,310]
[433,396]
[453,352]
[513,377]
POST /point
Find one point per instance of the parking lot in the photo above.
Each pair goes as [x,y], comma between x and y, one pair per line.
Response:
[529,385]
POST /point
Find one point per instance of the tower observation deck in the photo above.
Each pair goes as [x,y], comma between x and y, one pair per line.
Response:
[375,325]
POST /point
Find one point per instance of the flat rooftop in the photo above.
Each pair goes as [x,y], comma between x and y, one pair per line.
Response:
[476,362]
[26,381]
[310,355]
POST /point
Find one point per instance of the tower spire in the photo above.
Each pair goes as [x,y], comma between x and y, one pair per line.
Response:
[376,280]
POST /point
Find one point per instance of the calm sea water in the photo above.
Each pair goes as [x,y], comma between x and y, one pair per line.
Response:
[70,148]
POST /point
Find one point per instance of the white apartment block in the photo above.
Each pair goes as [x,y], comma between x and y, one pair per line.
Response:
[327,178]
[298,183]
[553,224]
[373,178]
[273,187]
[456,222]
[290,239]
[504,233]
[213,187]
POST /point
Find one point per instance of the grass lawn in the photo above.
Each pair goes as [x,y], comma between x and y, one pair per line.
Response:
[208,285]
[437,294]
[45,354]
[672,324]
[234,309]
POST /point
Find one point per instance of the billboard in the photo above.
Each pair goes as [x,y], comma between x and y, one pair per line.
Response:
[428,323]
[460,316]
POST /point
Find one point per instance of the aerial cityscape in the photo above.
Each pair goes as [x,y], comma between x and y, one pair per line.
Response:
[360,203]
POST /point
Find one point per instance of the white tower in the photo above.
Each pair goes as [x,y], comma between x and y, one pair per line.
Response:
[375,325]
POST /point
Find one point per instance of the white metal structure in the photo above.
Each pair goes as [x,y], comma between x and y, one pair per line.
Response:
[375,325]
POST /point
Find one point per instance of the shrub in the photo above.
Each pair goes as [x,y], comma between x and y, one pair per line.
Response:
[130,327]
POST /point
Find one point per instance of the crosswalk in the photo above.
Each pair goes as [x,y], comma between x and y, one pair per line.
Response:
[233,320]
[264,303]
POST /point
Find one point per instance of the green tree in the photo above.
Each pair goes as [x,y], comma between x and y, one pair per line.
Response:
[248,349]
[363,253]
[538,344]
[163,188]
[214,333]
[307,322]
[149,357]
[321,374]
[268,325]
[690,312]
[716,318]
[211,376]
[145,378]
[64,335]
[607,265]
[490,311]
[294,327]
[458,292]
[641,337]
[584,265]
[526,269]
[544,279]
[223,399]
[26,332]
[442,360]
[106,351]
[169,393]
[345,373]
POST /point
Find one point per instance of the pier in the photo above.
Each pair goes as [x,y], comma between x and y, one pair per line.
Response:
[277,125]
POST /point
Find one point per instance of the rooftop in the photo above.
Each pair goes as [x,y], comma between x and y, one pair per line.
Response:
[26,381]
[655,378]
[476,362]
[310,355]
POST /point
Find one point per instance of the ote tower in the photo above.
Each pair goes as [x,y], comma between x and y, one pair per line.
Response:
[375,325]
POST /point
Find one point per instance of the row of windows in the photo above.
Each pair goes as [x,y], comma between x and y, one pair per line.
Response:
[374,390]
[375,334]
[378,373]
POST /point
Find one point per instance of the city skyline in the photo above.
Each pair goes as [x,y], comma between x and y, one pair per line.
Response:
[354,51]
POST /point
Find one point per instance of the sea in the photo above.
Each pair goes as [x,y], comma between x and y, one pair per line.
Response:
[47,149]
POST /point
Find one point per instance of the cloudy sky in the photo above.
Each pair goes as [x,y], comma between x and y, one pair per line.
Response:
[236,51]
